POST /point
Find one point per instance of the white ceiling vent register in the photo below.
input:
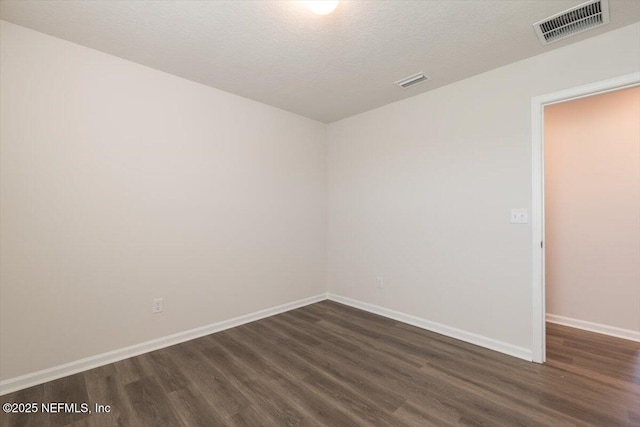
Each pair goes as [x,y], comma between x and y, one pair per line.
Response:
[581,18]
[413,80]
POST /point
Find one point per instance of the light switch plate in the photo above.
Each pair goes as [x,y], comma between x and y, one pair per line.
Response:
[519,216]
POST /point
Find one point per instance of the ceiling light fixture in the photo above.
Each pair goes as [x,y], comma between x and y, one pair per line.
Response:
[322,7]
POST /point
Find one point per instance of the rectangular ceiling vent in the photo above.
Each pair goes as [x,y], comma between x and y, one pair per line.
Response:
[581,18]
[407,82]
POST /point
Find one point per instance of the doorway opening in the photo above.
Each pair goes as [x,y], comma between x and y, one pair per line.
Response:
[538,196]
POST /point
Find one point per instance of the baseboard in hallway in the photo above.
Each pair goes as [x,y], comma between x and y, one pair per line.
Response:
[613,331]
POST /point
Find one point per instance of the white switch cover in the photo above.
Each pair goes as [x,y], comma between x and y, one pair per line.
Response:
[519,216]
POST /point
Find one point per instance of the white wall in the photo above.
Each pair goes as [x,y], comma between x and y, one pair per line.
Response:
[120,184]
[592,207]
[420,192]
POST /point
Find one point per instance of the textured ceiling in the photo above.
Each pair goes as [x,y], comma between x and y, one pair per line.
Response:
[323,67]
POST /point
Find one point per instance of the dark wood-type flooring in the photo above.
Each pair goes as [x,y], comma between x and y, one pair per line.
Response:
[331,365]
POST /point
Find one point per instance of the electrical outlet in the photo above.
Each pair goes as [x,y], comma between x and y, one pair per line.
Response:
[379,283]
[157,305]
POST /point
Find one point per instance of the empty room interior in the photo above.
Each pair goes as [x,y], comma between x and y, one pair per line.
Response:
[320,213]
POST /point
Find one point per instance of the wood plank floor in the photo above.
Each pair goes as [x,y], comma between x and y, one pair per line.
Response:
[331,365]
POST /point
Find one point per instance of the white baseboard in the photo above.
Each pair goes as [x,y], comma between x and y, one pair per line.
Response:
[60,371]
[613,331]
[480,340]
[18,383]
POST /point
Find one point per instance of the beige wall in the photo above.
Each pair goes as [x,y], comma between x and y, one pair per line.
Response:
[592,207]
[420,192]
[120,184]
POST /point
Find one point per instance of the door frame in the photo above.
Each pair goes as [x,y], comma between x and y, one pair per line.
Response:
[537,203]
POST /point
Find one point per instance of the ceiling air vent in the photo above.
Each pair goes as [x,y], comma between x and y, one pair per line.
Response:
[412,80]
[581,18]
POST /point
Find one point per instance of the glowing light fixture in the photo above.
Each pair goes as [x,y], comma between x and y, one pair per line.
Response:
[322,7]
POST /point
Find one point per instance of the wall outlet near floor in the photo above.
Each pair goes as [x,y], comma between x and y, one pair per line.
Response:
[157,305]
[379,282]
